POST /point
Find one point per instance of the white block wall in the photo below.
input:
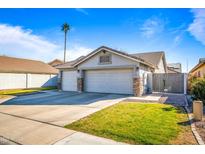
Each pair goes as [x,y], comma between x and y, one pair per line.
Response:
[15,80]
[12,81]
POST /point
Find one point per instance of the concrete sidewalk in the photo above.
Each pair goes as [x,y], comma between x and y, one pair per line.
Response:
[24,131]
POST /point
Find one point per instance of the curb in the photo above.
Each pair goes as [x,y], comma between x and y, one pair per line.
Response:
[193,127]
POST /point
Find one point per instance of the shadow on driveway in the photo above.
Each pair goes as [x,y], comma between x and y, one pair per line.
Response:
[61,98]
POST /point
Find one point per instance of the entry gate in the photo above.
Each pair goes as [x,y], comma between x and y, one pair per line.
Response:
[169,82]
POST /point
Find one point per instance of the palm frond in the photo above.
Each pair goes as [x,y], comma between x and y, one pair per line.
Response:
[65,27]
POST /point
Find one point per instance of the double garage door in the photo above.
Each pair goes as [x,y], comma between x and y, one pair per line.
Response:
[103,81]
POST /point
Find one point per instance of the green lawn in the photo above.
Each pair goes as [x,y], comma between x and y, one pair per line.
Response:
[23,91]
[138,123]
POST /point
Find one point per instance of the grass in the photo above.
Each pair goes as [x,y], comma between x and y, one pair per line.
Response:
[3,93]
[3,96]
[138,123]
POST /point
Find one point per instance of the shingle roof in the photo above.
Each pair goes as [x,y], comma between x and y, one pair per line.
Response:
[170,70]
[70,64]
[55,62]
[18,65]
[152,57]
[174,67]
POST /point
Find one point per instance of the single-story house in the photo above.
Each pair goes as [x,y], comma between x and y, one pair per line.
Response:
[107,70]
[24,73]
[55,62]
[174,68]
[198,70]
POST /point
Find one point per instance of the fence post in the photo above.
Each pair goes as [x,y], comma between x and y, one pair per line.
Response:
[185,83]
[26,80]
[198,110]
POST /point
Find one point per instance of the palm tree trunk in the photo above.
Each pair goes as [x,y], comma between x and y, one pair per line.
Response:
[65,47]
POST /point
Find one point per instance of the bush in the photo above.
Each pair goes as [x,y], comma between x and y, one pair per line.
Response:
[198,89]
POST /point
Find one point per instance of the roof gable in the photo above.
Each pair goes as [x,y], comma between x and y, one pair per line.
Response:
[201,63]
[55,62]
[153,57]
[123,54]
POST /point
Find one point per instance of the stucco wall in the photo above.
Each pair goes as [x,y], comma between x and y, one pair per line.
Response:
[143,72]
[116,61]
[201,69]
[18,80]
[160,68]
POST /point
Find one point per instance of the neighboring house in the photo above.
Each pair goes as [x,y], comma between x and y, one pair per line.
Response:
[55,62]
[198,70]
[107,70]
[174,68]
[23,73]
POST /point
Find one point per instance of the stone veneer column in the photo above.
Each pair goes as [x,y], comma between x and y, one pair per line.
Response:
[80,84]
[137,89]
[137,86]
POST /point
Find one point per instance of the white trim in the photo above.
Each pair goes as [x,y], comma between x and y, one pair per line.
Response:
[108,67]
[133,59]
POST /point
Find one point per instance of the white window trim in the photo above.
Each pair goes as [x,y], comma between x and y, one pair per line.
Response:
[104,63]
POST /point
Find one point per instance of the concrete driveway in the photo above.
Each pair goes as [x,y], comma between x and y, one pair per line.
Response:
[39,118]
[58,98]
[58,108]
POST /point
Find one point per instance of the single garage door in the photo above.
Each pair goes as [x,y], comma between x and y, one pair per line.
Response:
[109,81]
[69,81]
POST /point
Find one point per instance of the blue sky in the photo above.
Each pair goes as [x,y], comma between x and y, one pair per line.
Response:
[35,33]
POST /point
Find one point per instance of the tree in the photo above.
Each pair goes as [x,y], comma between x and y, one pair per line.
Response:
[198,89]
[65,28]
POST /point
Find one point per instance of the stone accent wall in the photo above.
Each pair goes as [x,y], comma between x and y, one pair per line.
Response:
[80,84]
[137,86]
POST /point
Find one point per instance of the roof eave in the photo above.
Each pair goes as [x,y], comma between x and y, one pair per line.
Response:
[196,67]
[110,50]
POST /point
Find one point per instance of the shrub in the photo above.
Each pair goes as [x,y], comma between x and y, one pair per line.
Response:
[198,89]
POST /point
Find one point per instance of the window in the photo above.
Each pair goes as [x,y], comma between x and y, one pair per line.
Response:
[199,74]
[105,59]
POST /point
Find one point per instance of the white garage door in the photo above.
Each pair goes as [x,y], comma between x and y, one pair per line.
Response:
[69,81]
[109,81]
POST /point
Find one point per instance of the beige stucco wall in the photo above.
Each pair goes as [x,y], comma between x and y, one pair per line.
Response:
[117,61]
[160,68]
[143,72]
[201,69]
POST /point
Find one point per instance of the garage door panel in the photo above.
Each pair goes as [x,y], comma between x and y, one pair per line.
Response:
[109,81]
[69,81]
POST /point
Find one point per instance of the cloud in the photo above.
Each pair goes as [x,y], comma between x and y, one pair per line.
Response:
[177,39]
[74,52]
[82,11]
[152,26]
[197,27]
[14,40]
[18,42]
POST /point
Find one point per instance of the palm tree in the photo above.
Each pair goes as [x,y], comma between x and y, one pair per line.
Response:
[65,28]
